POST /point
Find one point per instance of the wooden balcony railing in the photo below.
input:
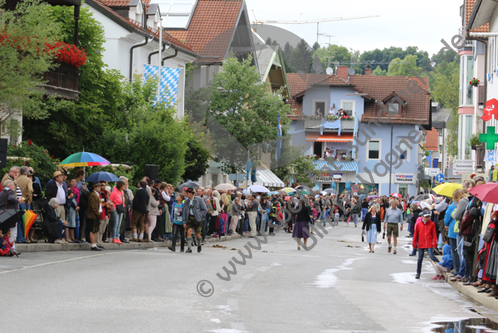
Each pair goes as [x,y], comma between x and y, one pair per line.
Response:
[62,80]
[481,95]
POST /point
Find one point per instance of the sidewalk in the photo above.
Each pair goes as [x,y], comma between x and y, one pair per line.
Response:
[46,247]
[471,292]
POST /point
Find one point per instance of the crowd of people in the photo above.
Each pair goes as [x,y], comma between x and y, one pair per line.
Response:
[72,211]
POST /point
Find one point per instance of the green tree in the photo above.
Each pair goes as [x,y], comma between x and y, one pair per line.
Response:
[332,54]
[287,57]
[405,67]
[241,113]
[445,91]
[197,155]
[23,60]
[299,171]
[72,126]
[302,58]
[379,71]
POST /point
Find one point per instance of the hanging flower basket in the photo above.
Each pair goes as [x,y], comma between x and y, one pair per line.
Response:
[474,82]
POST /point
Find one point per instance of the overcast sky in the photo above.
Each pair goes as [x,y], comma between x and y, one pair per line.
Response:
[421,23]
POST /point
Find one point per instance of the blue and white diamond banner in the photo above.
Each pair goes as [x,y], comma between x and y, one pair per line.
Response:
[169,82]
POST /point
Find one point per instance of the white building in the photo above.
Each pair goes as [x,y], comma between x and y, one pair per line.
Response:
[131,29]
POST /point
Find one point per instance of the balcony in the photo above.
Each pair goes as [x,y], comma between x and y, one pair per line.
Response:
[481,95]
[62,81]
[314,124]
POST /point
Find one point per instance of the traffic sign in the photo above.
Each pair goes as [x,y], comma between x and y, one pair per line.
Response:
[355,188]
[439,178]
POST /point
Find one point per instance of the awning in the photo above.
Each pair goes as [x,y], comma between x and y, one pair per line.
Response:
[338,166]
[330,137]
[264,177]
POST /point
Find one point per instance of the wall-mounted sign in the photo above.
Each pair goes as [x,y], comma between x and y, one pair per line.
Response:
[463,166]
[328,176]
[404,178]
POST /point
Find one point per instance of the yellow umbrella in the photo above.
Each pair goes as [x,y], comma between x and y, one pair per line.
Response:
[288,189]
[447,189]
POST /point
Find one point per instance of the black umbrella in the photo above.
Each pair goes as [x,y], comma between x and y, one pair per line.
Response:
[421,197]
[304,188]
[9,218]
[188,185]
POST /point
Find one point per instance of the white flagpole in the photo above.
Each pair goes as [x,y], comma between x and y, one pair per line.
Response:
[160,59]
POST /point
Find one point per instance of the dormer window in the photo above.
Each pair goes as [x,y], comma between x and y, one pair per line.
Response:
[394,104]
[139,12]
[394,107]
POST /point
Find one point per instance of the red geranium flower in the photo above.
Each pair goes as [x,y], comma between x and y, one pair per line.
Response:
[30,142]
[51,156]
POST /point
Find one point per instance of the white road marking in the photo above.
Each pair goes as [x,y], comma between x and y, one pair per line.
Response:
[56,262]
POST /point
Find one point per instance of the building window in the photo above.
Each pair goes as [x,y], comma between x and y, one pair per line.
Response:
[348,107]
[404,152]
[177,13]
[373,150]
[468,134]
[466,74]
[393,107]
[319,108]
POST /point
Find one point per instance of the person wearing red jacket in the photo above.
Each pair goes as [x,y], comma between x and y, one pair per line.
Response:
[425,238]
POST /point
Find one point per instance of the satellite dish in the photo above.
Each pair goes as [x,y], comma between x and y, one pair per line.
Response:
[329,71]
[351,71]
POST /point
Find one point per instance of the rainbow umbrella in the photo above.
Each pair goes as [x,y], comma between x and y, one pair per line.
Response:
[84,159]
[28,218]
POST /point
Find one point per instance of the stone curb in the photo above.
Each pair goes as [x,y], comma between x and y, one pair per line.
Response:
[48,247]
[471,292]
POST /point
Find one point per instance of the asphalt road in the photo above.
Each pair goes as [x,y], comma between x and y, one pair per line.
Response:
[338,286]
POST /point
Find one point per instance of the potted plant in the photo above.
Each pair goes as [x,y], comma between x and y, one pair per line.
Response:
[331,118]
[474,82]
[474,141]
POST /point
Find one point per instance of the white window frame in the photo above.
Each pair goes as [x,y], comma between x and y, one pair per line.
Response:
[325,108]
[353,114]
[391,110]
[408,151]
[380,150]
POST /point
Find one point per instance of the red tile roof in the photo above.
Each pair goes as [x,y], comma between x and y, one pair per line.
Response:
[469,6]
[303,82]
[116,3]
[211,28]
[432,140]
[417,108]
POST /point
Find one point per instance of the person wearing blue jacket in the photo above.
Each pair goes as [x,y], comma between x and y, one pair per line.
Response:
[445,265]
[449,223]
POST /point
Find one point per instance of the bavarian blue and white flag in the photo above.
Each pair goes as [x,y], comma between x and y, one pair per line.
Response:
[169,82]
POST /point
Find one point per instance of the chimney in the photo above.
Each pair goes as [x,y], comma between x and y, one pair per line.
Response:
[368,70]
[342,71]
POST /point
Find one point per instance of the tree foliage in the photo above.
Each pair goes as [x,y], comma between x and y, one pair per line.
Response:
[445,91]
[73,125]
[25,30]
[31,155]
[301,58]
[297,171]
[405,67]
[242,112]
[379,71]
